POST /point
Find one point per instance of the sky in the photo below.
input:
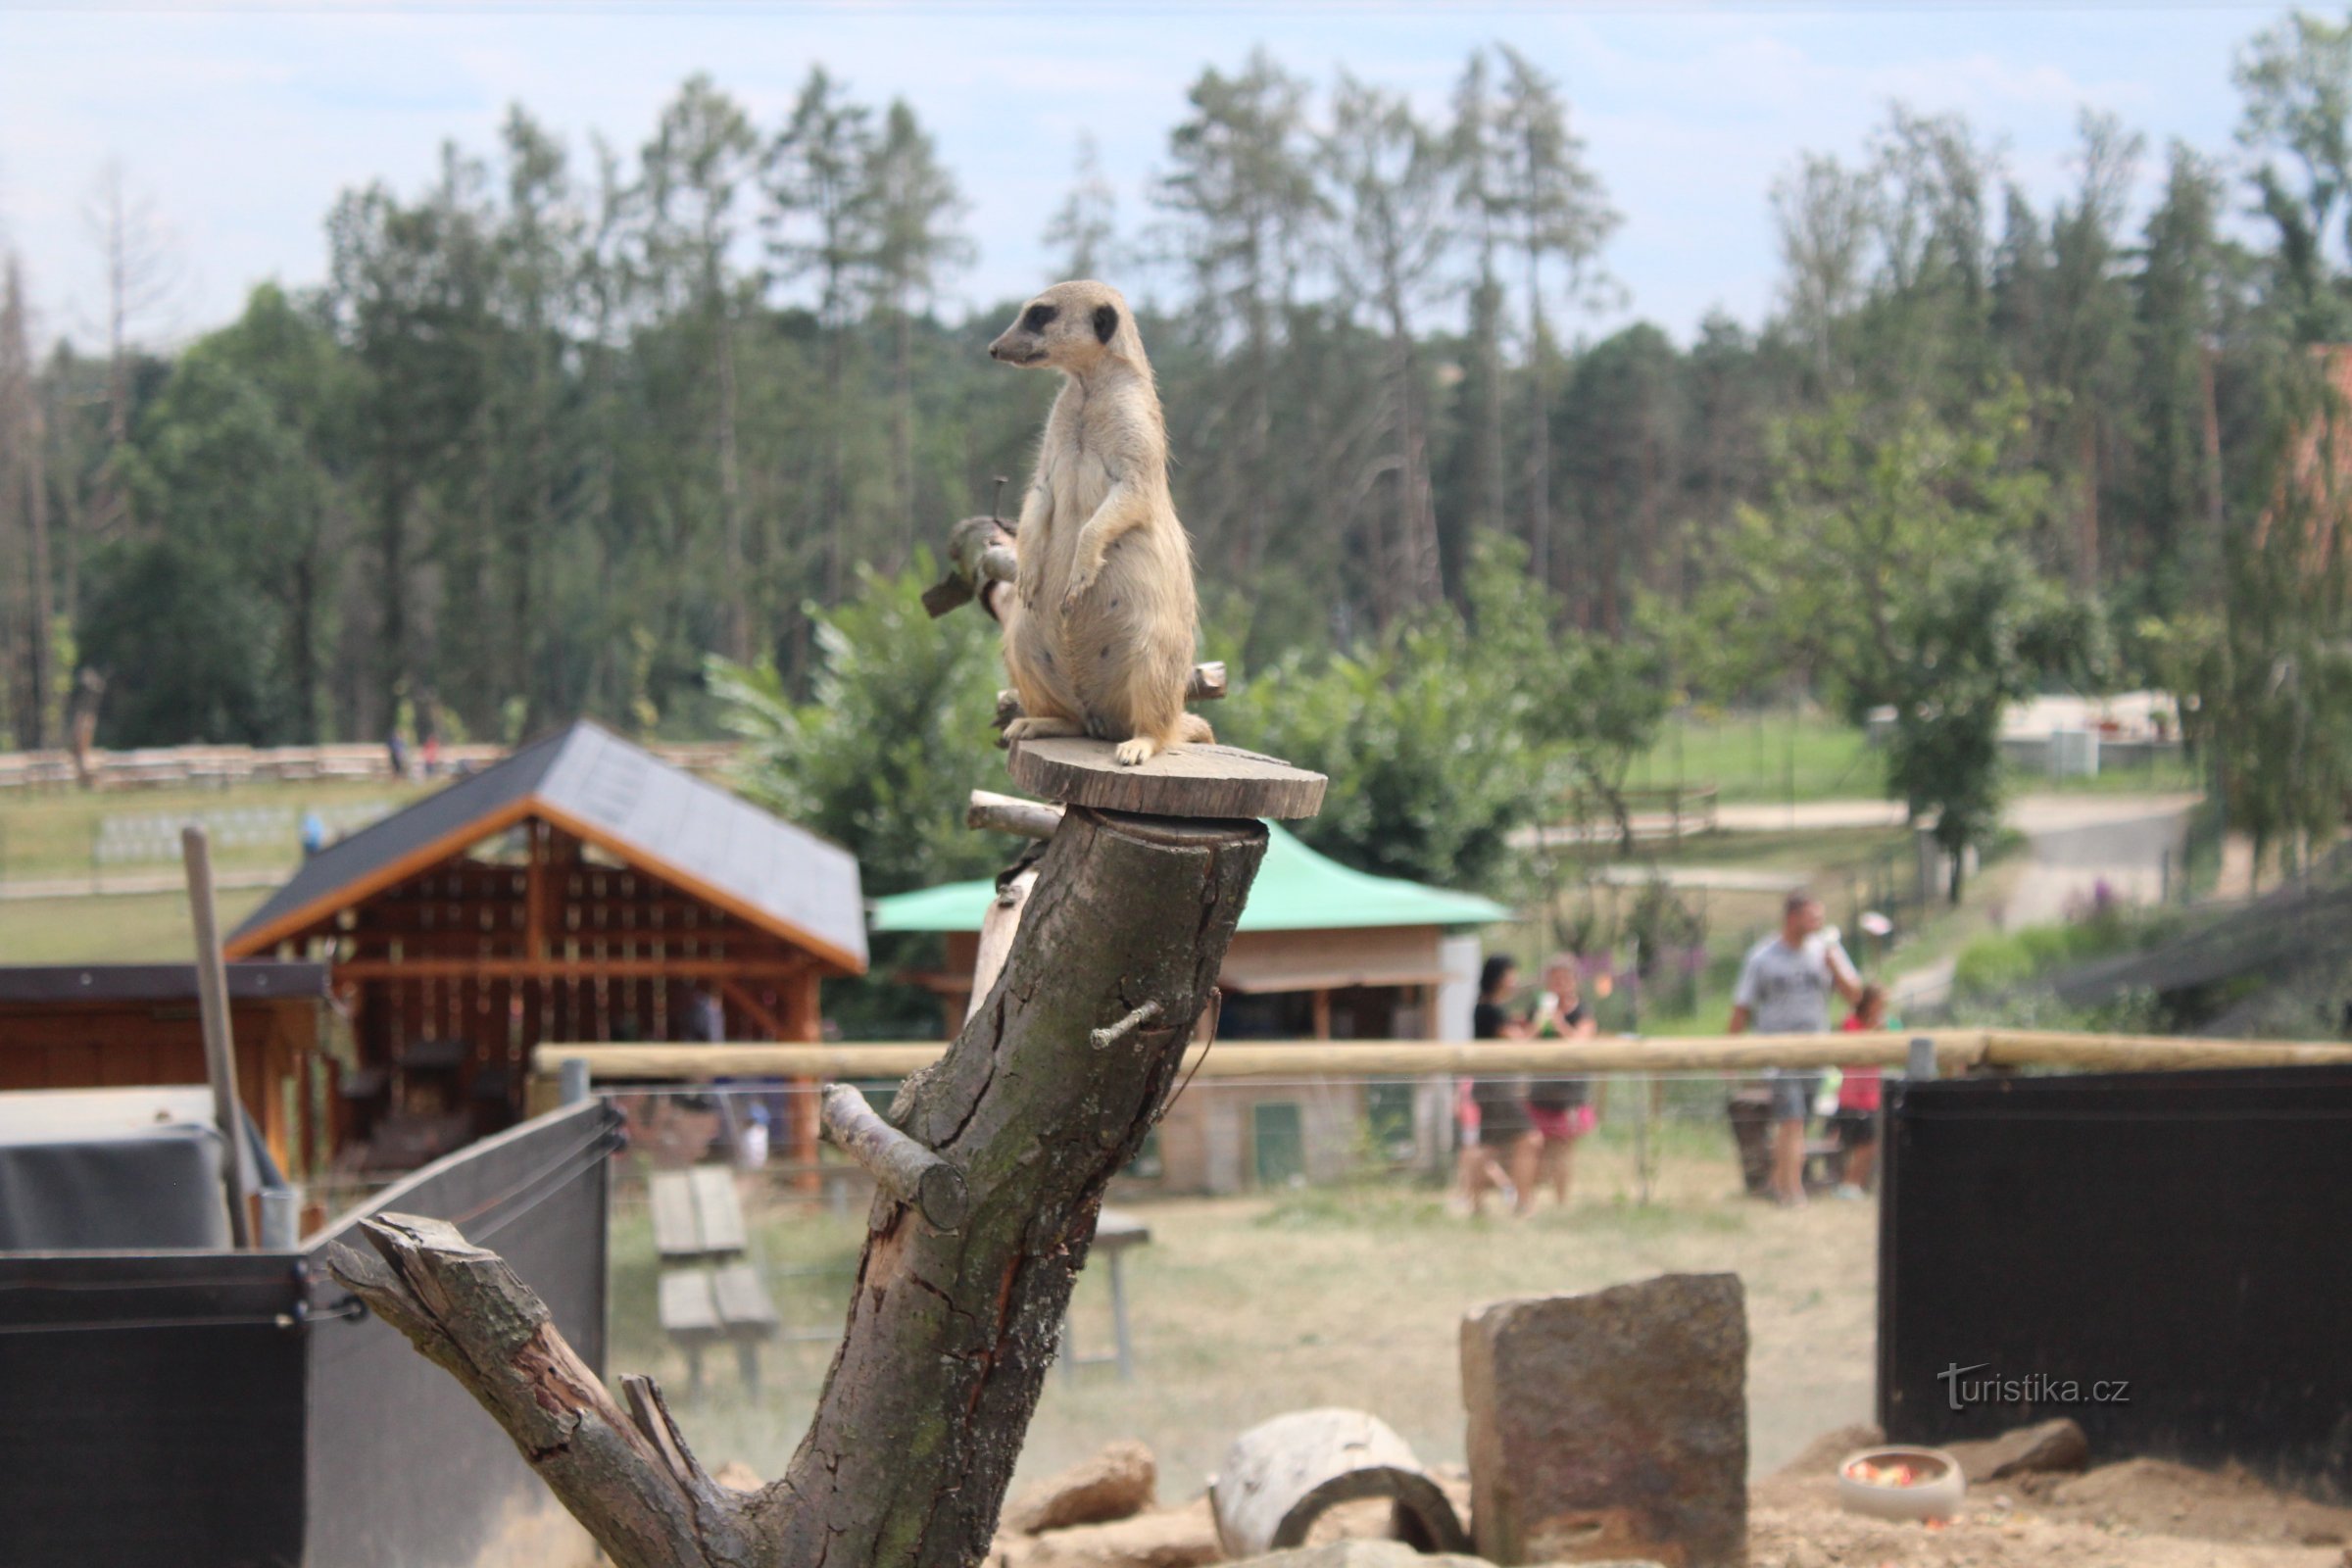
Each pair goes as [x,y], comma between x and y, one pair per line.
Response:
[237,125]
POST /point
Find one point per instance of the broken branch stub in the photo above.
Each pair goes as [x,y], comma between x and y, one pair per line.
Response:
[901,1167]
[1010,813]
[647,1504]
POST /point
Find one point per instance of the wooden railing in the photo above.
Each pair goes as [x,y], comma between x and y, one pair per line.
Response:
[1957,1051]
[179,767]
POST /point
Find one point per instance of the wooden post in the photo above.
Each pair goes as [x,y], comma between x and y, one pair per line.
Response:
[220,1050]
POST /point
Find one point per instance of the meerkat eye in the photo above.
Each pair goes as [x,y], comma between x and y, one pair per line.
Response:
[1040,317]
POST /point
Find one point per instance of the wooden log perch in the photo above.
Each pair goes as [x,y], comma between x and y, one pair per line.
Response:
[950,1332]
[1186,781]
[899,1165]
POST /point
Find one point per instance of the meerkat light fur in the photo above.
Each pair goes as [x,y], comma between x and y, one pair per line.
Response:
[1098,640]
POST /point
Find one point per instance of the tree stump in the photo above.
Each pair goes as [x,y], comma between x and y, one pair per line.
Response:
[1061,1069]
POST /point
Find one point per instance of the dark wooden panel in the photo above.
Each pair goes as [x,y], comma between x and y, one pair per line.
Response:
[2182,1234]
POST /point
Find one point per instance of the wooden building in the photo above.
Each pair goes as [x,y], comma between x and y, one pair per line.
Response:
[1322,952]
[124,1025]
[581,890]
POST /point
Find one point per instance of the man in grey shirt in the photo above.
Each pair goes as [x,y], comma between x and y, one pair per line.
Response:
[1785,989]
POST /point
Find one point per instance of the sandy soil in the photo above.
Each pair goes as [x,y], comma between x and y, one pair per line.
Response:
[2138,1514]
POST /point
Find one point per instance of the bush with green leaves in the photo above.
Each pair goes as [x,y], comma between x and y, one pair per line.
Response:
[893,738]
[1449,732]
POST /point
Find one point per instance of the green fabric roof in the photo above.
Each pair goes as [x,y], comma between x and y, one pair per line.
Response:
[1297,890]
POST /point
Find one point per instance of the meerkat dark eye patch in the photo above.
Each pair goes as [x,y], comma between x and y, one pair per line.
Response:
[1040,317]
[1107,321]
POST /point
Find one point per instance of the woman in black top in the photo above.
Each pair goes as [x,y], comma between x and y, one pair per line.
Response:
[1500,1101]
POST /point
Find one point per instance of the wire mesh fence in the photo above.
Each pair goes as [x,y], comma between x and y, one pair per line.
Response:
[1277,1244]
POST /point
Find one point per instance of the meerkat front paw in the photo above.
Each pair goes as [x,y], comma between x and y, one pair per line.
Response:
[1140,750]
[1041,729]
[1082,579]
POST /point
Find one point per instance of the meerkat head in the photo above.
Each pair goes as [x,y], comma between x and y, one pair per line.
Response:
[1071,327]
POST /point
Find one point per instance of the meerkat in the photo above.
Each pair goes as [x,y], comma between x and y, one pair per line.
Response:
[1099,639]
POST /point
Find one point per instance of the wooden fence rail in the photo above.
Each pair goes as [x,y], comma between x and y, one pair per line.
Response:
[1957,1051]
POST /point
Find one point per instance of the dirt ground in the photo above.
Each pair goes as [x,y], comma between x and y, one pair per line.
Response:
[1243,1309]
[2137,1513]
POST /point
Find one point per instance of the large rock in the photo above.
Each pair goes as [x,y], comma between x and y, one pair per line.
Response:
[1115,1484]
[2044,1446]
[1612,1425]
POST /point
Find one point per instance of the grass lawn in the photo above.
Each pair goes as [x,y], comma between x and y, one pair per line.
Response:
[114,930]
[50,833]
[1792,754]
[1246,1307]
[1762,757]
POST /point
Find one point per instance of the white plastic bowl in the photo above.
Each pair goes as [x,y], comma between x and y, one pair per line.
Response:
[1937,1494]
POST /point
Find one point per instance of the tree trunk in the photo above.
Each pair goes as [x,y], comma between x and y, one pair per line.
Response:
[46,691]
[730,492]
[1539,451]
[1038,1103]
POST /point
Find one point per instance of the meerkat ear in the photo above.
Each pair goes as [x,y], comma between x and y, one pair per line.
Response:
[1107,321]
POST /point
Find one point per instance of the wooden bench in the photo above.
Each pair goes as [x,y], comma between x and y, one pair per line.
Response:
[711,1293]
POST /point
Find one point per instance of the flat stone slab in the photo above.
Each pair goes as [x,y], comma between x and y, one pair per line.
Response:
[1207,781]
[1612,1425]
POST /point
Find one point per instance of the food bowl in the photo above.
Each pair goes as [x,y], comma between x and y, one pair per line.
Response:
[1901,1483]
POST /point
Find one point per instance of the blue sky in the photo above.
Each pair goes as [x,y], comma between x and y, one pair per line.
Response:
[240,125]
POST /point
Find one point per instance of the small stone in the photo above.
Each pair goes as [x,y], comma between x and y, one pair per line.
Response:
[1117,1483]
[2045,1448]
[1358,1554]
[1177,1537]
[1611,1426]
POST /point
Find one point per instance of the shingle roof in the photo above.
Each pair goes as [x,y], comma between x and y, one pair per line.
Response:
[1297,890]
[589,781]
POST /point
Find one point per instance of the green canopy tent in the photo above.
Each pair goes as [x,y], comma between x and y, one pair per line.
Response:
[1312,928]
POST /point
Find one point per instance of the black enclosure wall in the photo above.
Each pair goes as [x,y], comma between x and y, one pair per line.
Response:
[230,1410]
[2166,1257]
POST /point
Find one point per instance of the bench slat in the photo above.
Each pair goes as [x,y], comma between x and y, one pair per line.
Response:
[689,1307]
[743,1302]
[677,1232]
[719,1209]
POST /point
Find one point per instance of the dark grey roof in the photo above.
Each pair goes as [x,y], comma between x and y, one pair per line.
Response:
[588,780]
[249,980]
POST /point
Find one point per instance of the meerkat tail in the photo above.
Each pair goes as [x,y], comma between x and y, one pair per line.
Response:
[1194,728]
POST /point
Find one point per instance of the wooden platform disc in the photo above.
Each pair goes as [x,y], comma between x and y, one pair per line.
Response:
[1216,781]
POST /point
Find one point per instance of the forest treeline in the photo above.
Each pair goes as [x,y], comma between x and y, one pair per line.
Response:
[566,421]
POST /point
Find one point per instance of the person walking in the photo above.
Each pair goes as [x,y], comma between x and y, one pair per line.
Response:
[1562,1110]
[1494,1120]
[1785,989]
[1857,1118]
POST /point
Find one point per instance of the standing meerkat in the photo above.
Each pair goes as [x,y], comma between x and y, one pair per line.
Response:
[1098,640]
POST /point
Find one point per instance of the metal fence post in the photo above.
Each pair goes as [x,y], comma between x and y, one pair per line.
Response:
[572,1080]
[1923,1058]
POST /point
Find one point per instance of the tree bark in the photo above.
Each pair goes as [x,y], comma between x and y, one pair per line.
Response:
[1058,1074]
